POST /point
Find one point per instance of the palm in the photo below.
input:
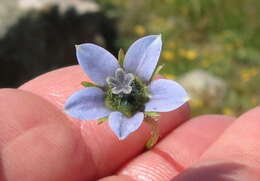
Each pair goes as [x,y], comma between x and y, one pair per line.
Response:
[39,142]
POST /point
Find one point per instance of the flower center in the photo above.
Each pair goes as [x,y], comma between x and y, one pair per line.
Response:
[121,83]
[128,103]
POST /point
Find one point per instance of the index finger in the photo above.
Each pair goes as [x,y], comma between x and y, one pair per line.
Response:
[107,151]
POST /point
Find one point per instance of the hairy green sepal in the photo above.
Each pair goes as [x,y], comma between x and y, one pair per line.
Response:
[102,120]
[158,69]
[88,84]
[128,104]
[121,57]
[152,114]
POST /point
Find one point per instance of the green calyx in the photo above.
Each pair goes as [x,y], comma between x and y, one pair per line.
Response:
[128,104]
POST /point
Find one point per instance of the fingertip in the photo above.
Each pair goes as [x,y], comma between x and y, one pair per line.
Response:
[57,85]
[234,154]
[178,150]
[172,119]
[213,171]
[37,142]
[117,178]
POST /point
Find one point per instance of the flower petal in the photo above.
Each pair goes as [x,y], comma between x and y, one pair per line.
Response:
[112,81]
[97,63]
[143,55]
[129,78]
[87,104]
[127,90]
[166,95]
[122,126]
[117,90]
[120,75]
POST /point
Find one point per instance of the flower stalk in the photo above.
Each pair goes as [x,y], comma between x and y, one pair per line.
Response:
[155,132]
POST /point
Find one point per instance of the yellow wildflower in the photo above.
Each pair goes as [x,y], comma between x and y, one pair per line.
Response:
[170,76]
[196,102]
[248,74]
[191,54]
[228,111]
[139,30]
[168,55]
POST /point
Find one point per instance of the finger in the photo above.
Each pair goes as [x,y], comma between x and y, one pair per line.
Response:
[234,155]
[106,149]
[178,150]
[118,178]
[37,142]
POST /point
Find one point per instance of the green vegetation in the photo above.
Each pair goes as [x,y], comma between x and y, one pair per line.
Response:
[219,36]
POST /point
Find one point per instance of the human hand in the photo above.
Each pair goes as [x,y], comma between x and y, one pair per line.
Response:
[38,142]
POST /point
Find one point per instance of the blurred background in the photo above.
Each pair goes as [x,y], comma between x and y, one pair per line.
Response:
[211,46]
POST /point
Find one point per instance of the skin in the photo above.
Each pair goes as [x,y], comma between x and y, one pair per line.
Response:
[39,142]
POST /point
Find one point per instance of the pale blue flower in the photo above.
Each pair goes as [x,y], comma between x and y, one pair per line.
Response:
[139,64]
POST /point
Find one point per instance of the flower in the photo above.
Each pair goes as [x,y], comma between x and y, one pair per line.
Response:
[189,54]
[168,55]
[140,30]
[248,73]
[124,94]
[228,111]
